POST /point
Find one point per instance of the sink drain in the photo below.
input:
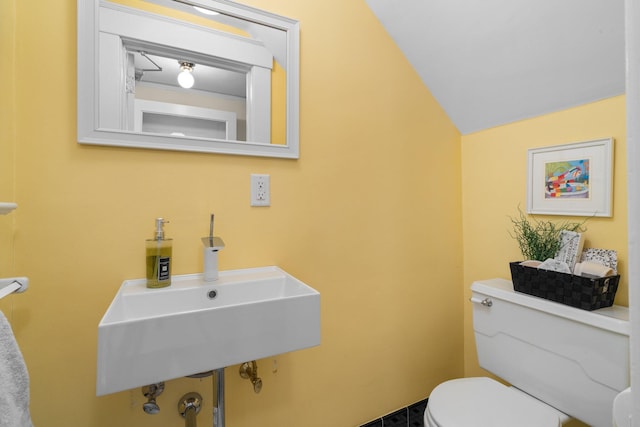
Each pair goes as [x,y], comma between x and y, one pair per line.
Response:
[212,294]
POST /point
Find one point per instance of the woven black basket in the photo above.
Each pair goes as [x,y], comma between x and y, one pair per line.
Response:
[576,291]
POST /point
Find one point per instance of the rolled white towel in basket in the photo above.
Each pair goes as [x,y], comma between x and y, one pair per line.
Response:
[14,380]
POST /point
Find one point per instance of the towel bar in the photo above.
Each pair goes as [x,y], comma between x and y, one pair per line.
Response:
[5,207]
[13,284]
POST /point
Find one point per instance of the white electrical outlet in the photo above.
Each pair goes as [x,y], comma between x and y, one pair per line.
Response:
[260,190]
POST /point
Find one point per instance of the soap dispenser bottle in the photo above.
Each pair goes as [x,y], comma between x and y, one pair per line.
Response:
[158,251]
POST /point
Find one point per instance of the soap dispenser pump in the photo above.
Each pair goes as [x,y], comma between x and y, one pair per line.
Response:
[158,251]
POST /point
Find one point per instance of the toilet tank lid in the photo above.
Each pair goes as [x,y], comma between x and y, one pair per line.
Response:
[614,318]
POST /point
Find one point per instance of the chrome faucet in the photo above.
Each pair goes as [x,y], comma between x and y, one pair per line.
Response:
[210,254]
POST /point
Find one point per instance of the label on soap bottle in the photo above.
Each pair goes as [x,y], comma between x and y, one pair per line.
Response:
[158,263]
[164,269]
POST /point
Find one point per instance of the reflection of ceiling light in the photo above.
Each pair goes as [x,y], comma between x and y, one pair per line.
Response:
[205,11]
[185,78]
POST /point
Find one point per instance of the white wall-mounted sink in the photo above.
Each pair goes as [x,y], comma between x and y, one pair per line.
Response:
[152,335]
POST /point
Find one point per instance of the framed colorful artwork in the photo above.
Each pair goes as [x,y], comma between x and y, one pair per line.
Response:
[571,179]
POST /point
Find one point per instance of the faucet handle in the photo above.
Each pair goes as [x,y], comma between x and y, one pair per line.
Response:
[249,371]
[152,391]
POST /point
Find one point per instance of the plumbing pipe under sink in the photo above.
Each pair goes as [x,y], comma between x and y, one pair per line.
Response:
[188,407]
[218,410]
[217,377]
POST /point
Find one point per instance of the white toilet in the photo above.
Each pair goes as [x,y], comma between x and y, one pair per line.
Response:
[560,360]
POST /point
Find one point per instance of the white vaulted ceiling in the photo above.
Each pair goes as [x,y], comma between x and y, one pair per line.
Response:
[492,62]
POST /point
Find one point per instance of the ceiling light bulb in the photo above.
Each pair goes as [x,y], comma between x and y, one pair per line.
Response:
[185,78]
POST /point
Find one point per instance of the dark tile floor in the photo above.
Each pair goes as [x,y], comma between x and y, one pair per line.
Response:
[411,416]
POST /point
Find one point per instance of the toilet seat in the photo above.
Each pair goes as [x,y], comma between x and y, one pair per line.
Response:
[483,402]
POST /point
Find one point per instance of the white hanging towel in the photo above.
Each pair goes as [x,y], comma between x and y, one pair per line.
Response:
[14,380]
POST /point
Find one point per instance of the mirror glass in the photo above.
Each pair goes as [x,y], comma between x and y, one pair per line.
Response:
[213,106]
[192,75]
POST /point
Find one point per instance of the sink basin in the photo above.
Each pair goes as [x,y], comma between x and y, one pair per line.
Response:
[152,335]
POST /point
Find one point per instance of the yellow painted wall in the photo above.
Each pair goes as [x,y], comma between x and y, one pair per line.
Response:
[369,215]
[494,185]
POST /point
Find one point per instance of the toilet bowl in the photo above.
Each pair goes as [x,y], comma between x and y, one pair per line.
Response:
[483,402]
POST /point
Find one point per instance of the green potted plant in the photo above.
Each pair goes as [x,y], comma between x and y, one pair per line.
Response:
[540,239]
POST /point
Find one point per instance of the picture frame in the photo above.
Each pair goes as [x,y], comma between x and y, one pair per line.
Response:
[571,179]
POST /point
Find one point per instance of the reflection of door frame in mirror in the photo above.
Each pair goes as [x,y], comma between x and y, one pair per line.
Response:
[189,115]
[96,128]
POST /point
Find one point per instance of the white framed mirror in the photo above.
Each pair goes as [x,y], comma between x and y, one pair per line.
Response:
[241,66]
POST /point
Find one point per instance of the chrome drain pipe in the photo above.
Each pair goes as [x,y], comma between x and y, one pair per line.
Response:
[218,410]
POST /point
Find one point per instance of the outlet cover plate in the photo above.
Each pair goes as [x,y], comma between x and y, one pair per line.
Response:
[260,190]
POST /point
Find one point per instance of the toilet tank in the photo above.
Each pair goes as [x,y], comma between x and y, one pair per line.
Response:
[574,360]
